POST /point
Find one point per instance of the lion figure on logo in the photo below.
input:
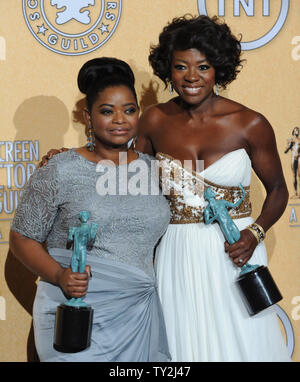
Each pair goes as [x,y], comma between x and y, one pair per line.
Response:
[73,10]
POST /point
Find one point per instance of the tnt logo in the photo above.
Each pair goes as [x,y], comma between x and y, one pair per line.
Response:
[72,27]
[250,8]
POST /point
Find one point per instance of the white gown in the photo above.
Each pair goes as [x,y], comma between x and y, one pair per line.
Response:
[205,316]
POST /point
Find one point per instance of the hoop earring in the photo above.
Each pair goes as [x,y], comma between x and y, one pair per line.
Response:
[217,89]
[171,88]
[90,139]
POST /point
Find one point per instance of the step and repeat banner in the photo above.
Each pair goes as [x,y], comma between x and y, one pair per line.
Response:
[43,43]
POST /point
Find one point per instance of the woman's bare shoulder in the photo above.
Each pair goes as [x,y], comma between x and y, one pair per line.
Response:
[227,106]
[153,115]
[158,109]
[246,116]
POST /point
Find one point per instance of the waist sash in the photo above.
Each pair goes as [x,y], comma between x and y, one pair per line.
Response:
[185,192]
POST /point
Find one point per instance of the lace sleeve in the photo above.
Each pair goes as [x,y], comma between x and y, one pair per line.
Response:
[38,206]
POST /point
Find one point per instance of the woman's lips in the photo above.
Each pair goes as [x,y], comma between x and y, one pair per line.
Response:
[119,131]
[195,90]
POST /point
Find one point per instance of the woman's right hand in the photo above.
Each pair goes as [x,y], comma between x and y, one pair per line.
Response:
[74,284]
[49,155]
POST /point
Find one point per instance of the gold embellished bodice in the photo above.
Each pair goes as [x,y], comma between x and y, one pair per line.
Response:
[184,189]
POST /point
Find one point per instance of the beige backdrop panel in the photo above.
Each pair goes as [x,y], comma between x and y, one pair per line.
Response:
[40,101]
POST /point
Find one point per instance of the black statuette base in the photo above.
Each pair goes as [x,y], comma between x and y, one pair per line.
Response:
[73,327]
[259,290]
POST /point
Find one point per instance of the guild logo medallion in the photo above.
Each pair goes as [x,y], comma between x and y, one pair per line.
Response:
[72,27]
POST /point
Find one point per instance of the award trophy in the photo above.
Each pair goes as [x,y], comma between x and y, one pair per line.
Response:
[74,318]
[255,282]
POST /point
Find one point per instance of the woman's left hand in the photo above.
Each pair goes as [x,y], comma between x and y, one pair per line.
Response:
[241,251]
[49,155]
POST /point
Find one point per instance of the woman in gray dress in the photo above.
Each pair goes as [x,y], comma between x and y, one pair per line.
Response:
[128,323]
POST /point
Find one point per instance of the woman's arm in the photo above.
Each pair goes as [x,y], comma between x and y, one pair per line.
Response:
[267,166]
[260,138]
[33,255]
[148,121]
[33,220]
[49,155]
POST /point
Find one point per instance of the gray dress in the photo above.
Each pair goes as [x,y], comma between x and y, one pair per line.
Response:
[128,323]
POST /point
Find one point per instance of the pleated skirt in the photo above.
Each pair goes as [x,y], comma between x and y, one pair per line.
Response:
[206,318]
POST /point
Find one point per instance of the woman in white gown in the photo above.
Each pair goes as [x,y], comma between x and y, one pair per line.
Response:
[205,317]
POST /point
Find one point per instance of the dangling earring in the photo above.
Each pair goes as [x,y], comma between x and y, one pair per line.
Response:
[217,89]
[170,88]
[90,139]
[133,144]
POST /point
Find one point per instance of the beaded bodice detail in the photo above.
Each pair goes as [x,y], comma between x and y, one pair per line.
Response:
[184,189]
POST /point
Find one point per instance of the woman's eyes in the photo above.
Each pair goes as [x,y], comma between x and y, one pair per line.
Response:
[131,110]
[179,67]
[200,67]
[105,111]
[204,67]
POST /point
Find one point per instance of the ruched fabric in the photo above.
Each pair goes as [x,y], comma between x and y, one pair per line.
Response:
[128,325]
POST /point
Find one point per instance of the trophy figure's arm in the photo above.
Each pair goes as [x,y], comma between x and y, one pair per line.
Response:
[70,239]
[92,235]
[93,231]
[207,215]
[291,144]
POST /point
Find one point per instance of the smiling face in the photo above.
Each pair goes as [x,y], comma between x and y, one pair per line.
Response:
[192,76]
[114,116]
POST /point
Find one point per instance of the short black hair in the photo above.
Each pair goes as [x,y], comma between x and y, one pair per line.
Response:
[207,34]
[100,73]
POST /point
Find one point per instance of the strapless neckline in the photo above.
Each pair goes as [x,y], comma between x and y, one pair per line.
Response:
[211,165]
[184,187]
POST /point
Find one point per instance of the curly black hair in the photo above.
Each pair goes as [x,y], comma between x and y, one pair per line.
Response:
[207,34]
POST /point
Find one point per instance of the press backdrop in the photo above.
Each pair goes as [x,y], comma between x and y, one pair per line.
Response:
[42,48]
